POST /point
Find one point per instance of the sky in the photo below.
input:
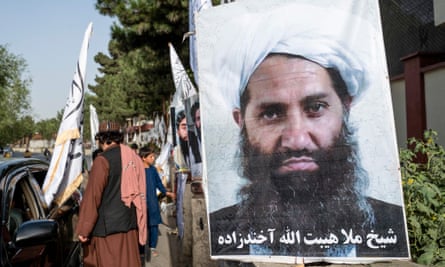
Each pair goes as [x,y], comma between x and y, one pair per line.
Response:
[48,35]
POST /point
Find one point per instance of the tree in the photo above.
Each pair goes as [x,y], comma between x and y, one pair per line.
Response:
[14,95]
[24,127]
[137,75]
[48,128]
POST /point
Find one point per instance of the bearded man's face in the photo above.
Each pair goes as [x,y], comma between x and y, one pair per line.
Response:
[296,151]
[333,178]
[292,122]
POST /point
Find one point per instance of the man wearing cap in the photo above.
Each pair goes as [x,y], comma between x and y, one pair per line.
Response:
[112,216]
[305,194]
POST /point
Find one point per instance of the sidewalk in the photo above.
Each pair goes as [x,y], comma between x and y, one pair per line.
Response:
[169,246]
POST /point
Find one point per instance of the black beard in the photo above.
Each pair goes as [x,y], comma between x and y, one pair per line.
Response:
[324,200]
[184,148]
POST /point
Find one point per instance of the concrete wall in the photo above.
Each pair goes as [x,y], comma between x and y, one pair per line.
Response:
[439,12]
[399,108]
[434,81]
[435,102]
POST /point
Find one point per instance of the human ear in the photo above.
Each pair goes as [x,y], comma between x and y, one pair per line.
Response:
[238,117]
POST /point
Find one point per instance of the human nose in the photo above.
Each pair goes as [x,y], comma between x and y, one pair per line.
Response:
[296,134]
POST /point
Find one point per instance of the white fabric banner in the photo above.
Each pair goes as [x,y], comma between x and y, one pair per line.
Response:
[162,130]
[65,171]
[183,85]
[300,160]
[94,127]
[195,6]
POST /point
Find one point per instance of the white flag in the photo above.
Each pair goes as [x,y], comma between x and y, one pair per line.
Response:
[162,130]
[183,85]
[65,171]
[195,6]
[156,127]
[94,127]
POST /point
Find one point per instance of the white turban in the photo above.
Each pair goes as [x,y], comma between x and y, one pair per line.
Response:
[248,39]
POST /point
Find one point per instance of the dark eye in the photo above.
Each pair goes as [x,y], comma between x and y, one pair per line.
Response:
[272,113]
[315,108]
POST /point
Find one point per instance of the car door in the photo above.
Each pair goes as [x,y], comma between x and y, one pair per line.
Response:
[22,201]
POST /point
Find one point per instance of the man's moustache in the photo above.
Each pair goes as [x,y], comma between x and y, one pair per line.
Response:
[279,158]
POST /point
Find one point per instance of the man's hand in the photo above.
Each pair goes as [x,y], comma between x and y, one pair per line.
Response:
[171,195]
[83,239]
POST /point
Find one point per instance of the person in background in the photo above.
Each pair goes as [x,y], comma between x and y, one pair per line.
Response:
[194,138]
[27,154]
[181,151]
[153,183]
[47,153]
[196,115]
[112,215]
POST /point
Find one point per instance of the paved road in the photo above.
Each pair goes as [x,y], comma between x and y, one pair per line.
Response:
[18,154]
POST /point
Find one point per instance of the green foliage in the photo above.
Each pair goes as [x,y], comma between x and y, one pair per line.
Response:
[423,179]
[24,126]
[48,128]
[137,75]
[14,97]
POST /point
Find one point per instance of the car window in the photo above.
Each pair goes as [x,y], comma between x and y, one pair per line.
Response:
[17,211]
[24,205]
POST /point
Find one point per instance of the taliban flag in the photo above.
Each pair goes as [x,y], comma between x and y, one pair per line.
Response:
[183,85]
[65,171]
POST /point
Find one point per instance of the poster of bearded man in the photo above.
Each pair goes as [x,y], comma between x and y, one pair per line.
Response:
[300,159]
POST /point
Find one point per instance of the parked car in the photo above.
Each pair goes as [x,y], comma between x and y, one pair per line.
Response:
[32,234]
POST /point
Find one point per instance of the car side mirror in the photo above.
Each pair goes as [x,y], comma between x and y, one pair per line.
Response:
[36,232]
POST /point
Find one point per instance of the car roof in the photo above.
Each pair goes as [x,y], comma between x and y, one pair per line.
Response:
[8,164]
